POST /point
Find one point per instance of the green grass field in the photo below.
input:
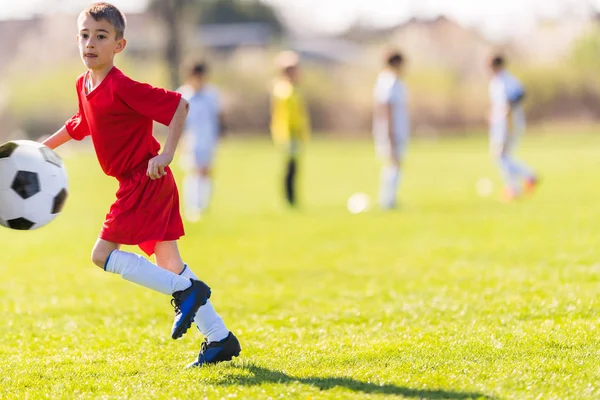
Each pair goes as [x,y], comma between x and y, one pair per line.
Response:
[452,297]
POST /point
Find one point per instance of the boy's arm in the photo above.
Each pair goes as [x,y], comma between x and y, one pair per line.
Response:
[157,165]
[509,112]
[58,139]
[389,115]
[385,108]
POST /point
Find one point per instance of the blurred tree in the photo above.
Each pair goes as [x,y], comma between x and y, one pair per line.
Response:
[585,53]
[171,11]
[239,11]
[175,12]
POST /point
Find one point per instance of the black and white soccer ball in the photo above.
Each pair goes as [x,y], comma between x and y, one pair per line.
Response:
[33,185]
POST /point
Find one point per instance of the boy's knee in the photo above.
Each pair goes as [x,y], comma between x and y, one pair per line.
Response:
[100,256]
[501,157]
[204,172]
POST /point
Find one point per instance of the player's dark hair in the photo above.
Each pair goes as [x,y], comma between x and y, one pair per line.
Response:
[498,61]
[394,58]
[108,12]
[199,69]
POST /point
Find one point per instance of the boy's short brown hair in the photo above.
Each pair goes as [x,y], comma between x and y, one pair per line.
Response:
[393,58]
[497,61]
[199,68]
[107,12]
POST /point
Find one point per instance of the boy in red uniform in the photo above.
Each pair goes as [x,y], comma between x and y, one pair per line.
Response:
[117,112]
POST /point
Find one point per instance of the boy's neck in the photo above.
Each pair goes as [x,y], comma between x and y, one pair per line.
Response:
[289,80]
[98,75]
[197,86]
[393,71]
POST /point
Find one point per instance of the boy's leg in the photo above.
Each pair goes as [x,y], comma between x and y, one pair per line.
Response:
[203,158]
[191,196]
[220,344]
[290,180]
[205,186]
[519,168]
[208,321]
[188,294]
[513,170]
[197,188]
[390,179]
[501,144]
[511,183]
[137,269]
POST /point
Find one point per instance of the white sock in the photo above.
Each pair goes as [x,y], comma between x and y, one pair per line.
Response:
[390,179]
[209,323]
[139,270]
[191,192]
[508,174]
[519,169]
[205,189]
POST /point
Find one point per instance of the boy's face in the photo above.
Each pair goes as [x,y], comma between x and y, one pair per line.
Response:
[495,68]
[98,42]
[198,79]
[293,73]
[398,68]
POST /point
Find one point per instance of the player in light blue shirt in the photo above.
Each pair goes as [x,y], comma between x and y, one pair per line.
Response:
[507,125]
[391,126]
[204,126]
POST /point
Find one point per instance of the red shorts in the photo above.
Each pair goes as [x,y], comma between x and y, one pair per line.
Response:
[146,211]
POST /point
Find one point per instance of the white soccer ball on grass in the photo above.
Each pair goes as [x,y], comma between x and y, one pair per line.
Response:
[484,187]
[358,202]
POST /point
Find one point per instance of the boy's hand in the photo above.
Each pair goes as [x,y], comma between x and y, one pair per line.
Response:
[157,165]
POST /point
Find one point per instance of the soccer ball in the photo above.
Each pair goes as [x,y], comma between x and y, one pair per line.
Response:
[33,185]
[484,187]
[358,202]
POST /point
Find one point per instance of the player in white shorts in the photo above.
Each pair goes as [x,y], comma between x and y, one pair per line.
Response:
[203,127]
[507,125]
[391,126]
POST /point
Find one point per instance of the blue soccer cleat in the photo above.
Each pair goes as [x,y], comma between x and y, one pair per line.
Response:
[215,352]
[186,303]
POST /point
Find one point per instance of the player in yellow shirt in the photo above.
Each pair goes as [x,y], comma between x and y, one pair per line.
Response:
[290,124]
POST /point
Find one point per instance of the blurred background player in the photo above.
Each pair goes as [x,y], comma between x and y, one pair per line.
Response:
[390,126]
[290,124]
[507,124]
[204,125]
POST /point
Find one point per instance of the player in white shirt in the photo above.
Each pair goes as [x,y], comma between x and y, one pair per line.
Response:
[507,125]
[203,127]
[391,126]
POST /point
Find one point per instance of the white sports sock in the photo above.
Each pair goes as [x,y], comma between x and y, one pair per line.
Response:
[139,270]
[519,169]
[508,174]
[205,189]
[390,180]
[191,192]
[209,323]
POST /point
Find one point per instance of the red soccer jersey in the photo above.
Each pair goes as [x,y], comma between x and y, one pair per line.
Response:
[118,114]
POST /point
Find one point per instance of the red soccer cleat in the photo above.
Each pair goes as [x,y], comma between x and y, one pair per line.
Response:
[531,184]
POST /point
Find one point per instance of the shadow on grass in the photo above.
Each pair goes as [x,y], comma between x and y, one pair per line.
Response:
[262,375]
